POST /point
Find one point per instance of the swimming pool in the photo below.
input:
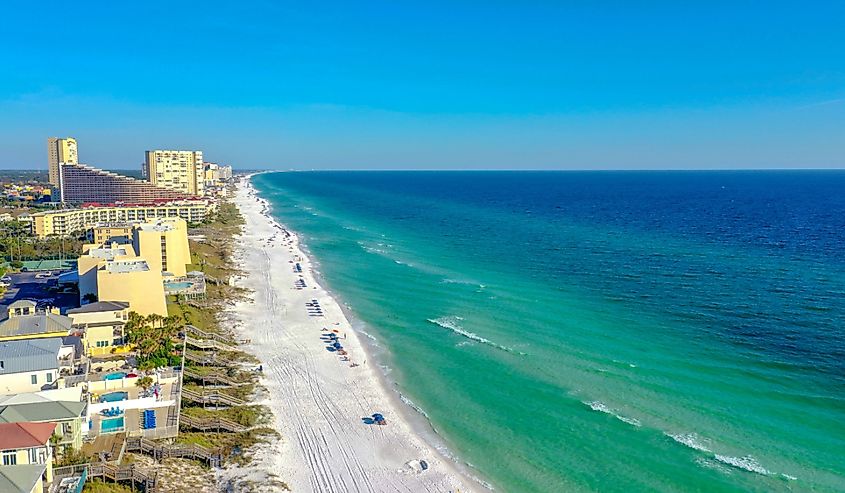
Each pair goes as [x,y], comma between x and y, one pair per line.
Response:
[111,425]
[178,286]
[114,397]
[115,376]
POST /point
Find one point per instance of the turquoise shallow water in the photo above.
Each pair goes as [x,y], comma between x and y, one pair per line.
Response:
[600,331]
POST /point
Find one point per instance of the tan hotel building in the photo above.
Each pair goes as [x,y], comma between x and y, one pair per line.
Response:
[60,151]
[70,221]
[183,171]
[115,273]
[134,272]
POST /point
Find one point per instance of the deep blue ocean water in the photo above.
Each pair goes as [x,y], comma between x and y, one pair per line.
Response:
[600,331]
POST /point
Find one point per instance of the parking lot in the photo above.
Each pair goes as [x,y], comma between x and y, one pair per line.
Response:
[40,287]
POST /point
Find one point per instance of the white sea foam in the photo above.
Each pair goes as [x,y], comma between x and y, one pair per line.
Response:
[747,463]
[709,463]
[630,365]
[370,249]
[412,405]
[372,338]
[452,323]
[691,440]
[604,408]
[464,282]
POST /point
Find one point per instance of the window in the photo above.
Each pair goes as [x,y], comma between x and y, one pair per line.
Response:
[33,456]
[34,379]
[49,377]
[10,457]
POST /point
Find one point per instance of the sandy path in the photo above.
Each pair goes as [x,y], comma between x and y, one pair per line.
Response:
[318,399]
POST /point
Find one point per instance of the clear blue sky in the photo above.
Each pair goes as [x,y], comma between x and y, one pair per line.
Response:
[451,84]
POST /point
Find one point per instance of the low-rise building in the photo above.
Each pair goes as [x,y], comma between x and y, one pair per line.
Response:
[100,326]
[68,416]
[68,222]
[25,478]
[30,365]
[27,444]
[25,321]
[120,405]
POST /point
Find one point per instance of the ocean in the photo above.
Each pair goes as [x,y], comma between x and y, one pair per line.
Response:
[599,331]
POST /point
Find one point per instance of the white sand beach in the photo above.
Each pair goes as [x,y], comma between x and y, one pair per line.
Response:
[319,399]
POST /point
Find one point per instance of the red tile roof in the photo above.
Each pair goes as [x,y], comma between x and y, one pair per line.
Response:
[25,435]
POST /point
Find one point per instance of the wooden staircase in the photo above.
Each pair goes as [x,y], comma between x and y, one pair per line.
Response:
[214,398]
[159,451]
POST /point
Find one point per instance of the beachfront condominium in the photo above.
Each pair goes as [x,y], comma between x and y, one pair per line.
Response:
[183,171]
[79,183]
[60,151]
[133,268]
[115,273]
[163,243]
[67,222]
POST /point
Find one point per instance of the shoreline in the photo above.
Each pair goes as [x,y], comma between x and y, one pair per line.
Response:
[318,400]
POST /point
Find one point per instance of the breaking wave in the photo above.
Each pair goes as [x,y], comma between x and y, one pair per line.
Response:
[604,408]
[747,463]
[463,282]
[690,440]
[412,405]
[453,323]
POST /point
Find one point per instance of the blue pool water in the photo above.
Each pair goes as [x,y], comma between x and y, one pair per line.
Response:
[178,286]
[115,376]
[111,425]
[114,397]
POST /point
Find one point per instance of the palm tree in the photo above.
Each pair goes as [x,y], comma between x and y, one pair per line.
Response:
[145,382]
[152,336]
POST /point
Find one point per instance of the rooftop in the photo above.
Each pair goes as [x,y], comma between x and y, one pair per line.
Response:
[39,323]
[22,478]
[72,394]
[100,306]
[29,355]
[41,411]
[23,304]
[126,266]
[107,253]
[156,226]
[25,435]
[117,225]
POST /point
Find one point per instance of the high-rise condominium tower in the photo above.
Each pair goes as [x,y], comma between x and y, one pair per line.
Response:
[60,151]
[177,170]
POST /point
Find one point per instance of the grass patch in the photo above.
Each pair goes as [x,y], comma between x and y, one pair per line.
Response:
[98,486]
[242,392]
[203,319]
[249,416]
[234,446]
